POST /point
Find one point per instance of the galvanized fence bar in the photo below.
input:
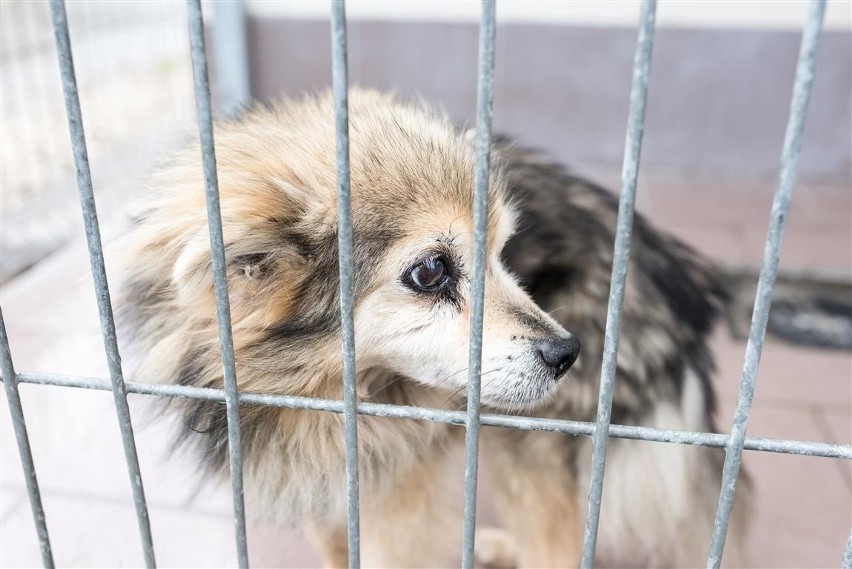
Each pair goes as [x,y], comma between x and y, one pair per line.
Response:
[220,279]
[484,97]
[621,255]
[581,428]
[340,87]
[230,56]
[16,413]
[96,258]
[763,297]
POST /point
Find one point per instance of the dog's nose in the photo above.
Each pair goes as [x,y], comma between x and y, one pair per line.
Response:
[559,353]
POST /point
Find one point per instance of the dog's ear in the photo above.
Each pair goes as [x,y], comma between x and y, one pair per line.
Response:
[268,230]
[264,277]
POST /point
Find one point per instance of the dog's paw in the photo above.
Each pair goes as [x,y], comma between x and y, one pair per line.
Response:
[495,549]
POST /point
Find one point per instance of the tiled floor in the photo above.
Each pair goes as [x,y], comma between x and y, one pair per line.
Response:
[803,510]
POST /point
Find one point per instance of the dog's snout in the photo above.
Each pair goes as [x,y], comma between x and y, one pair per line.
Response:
[559,353]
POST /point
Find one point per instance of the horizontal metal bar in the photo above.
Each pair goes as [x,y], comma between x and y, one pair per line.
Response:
[16,413]
[220,279]
[98,269]
[340,86]
[805,70]
[621,256]
[484,98]
[581,428]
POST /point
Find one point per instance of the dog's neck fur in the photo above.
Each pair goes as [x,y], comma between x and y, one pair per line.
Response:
[302,468]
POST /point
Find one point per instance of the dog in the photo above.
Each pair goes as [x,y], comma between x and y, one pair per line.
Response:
[549,255]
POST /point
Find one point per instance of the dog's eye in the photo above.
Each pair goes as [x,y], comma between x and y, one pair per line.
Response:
[429,274]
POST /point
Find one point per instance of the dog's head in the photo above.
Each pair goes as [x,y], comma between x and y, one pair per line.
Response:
[412,193]
[415,318]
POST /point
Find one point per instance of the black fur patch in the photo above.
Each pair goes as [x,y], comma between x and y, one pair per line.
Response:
[562,253]
[317,308]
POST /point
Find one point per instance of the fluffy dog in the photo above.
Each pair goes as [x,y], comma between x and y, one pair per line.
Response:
[550,238]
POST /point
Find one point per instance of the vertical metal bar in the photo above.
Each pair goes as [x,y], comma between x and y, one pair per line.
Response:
[220,279]
[230,56]
[340,86]
[621,255]
[16,412]
[484,97]
[763,298]
[847,554]
[96,258]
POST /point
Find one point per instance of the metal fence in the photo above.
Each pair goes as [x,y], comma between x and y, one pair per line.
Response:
[733,443]
[133,77]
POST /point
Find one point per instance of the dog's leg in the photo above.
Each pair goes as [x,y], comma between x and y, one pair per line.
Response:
[659,500]
[331,542]
[413,521]
[417,521]
[536,497]
[495,549]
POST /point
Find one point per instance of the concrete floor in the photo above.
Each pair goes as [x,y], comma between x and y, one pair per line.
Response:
[803,510]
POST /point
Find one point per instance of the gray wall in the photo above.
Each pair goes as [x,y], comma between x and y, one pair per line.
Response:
[718,99]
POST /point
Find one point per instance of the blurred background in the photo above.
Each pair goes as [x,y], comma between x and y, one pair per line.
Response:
[721,81]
